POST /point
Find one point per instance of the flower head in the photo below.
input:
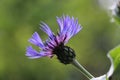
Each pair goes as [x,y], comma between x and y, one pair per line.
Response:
[55,44]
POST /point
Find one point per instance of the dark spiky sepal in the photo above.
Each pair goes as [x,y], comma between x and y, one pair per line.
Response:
[65,54]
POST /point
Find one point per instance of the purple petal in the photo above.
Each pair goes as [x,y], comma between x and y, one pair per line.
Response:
[36,40]
[68,27]
[47,30]
[78,28]
[60,23]
[31,53]
[75,28]
[67,24]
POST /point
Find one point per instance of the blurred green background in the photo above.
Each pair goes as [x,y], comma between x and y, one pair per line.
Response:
[19,19]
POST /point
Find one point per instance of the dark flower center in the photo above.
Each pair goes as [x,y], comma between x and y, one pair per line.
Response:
[64,53]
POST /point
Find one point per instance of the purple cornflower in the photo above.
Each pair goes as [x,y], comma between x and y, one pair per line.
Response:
[55,44]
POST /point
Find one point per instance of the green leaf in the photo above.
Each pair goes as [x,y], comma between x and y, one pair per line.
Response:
[109,73]
[115,54]
[114,57]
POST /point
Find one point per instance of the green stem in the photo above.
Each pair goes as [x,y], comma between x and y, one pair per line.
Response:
[82,69]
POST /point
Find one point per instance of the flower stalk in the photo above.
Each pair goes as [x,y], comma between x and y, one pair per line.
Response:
[82,69]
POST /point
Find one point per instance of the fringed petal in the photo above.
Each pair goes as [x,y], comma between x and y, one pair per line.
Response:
[36,40]
[31,53]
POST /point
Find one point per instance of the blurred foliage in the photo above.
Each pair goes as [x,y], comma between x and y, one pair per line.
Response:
[19,19]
